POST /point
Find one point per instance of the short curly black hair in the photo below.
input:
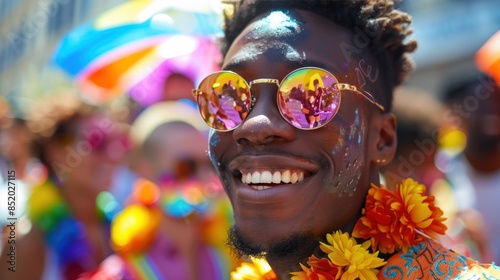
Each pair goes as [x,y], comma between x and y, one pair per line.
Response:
[388,27]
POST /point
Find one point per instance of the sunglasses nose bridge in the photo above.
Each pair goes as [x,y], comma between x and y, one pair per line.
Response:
[264,122]
[263,93]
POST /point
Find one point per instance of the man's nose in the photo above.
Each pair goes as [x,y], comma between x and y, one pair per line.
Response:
[264,124]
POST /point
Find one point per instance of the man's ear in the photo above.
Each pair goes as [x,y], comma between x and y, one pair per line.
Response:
[384,147]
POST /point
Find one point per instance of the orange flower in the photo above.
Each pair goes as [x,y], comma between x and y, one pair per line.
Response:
[320,269]
[421,212]
[395,219]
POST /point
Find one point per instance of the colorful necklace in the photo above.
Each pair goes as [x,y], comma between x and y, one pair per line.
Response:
[402,223]
[63,233]
[134,232]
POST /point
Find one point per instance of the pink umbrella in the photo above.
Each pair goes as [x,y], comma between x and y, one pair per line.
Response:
[195,65]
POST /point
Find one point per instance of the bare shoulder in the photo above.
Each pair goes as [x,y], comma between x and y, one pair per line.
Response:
[23,258]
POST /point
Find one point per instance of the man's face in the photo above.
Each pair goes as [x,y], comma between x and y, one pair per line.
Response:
[328,163]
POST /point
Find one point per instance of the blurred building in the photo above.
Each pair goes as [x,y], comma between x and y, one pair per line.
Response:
[449,33]
[29,32]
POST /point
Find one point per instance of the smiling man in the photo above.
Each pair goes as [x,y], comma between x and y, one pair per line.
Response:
[291,182]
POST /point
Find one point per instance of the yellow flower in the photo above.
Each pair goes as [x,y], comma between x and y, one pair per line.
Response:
[354,259]
[259,269]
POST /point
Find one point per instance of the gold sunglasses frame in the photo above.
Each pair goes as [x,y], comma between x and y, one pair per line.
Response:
[341,87]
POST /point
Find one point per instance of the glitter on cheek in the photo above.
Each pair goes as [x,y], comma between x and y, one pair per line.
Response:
[349,172]
[338,140]
[352,133]
[355,125]
[356,119]
[349,158]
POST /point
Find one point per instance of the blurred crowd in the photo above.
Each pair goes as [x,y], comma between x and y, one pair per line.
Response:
[103,193]
[452,146]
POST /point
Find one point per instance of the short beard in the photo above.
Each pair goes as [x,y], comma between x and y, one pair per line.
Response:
[282,249]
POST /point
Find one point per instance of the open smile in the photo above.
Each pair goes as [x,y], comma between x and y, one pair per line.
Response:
[266,179]
[265,172]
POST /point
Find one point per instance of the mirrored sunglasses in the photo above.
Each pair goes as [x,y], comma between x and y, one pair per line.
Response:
[307,98]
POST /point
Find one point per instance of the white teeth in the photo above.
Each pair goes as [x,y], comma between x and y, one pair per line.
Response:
[261,188]
[277,177]
[285,177]
[256,177]
[267,177]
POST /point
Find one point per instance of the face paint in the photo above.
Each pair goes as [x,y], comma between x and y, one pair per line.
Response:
[349,173]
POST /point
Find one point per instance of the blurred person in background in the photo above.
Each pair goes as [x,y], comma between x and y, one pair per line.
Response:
[16,151]
[177,86]
[19,170]
[174,223]
[15,146]
[80,147]
[474,172]
[419,118]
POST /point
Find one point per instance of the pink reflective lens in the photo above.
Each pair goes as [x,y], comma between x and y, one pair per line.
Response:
[307,98]
[224,100]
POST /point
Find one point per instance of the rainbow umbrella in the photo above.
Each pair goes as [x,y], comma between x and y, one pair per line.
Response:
[138,42]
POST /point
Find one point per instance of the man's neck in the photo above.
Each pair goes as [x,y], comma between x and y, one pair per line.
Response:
[283,266]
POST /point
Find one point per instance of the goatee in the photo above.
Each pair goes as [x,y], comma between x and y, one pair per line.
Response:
[284,248]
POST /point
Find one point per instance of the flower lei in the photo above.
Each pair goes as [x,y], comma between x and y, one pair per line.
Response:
[392,221]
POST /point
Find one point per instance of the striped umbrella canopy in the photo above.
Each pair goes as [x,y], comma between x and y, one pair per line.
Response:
[134,47]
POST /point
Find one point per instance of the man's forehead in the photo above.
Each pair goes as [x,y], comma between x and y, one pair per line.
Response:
[290,35]
[273,49]
[276,24]
[267,34]
[299,38]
